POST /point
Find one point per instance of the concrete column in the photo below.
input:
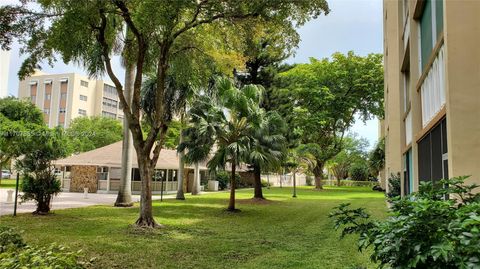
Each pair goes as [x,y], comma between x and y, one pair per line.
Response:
[196,180]
[166,178]
[108,179]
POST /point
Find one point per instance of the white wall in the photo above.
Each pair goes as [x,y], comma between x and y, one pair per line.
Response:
[4,68]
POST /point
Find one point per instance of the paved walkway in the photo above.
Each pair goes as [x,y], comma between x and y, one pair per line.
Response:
[65,200]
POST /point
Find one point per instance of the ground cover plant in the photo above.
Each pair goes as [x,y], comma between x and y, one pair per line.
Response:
[436,227]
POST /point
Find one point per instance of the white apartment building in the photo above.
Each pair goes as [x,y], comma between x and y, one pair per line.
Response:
[4,68]
[63,97]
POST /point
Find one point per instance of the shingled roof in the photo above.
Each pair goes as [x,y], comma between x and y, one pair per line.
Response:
[111,156]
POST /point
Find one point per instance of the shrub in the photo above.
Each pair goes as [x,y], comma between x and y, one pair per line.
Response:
[223,178]
[309,180]
[9,239]
[394,186]
[358,172]
[14,253]
[266,184]
[425,230]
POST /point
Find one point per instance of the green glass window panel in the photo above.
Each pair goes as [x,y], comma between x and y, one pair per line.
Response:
[426,41]
[439,16]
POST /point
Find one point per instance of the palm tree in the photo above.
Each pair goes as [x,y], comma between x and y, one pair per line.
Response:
[268,148]
[299,160]
[228,121]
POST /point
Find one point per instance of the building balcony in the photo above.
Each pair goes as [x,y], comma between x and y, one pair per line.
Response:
[432,89]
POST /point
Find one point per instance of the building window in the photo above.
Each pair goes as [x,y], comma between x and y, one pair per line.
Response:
[82,112]
[407,173]
[109,102]
[83,83]
[46,110]
[61,110]
[109,115]
[48,96]
[33,99]
[406,91]
[63,96]
[83,97]
[433,154]
[109,90]
[431,26]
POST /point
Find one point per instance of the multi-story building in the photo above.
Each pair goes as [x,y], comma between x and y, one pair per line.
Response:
[4,67]
[432,90]
[63,97]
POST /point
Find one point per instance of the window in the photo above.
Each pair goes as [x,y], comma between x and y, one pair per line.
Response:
[172,175]
[48,96]
[109,115]
[83,83]
[160,175]
[109,90]
[46,110]
[82,112]
[63,96]
[407,173]
[83,98]
[406,91]
[433,154]
[109,102]
[33,98]
[61,110]
[431,25]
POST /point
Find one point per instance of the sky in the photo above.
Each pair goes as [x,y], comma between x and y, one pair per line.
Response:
[351,25]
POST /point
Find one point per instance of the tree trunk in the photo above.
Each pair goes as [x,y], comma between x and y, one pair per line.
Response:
[146,220]
[233,183]
[257,183]
[181,171]
[318,172]
[43,206]
[124,197]
[196,180]
[294,184]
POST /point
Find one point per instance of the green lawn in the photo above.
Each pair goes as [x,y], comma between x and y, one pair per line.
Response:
[7,183]
[286,233]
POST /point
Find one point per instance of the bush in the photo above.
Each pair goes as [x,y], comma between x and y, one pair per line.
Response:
[309,180]
[358,172]
[394,186]
[14,253]
[425,230]
[9,239]
[266,184]
[223,178]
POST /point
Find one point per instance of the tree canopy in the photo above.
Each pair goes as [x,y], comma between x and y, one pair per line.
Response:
[88,133]
[322,99]
[166,35]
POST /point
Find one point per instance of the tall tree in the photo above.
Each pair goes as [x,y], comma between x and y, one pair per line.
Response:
[17,120]
[163,32]
[88,133]
[268,148]
[228,124]
[353,153]
[324,97]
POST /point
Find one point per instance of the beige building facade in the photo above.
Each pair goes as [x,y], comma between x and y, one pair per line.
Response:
[432,90]
[64,97]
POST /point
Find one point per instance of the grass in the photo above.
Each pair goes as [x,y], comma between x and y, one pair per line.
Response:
[7,183]
[286,233]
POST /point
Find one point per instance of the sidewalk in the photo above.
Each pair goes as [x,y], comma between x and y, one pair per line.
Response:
[62,201]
